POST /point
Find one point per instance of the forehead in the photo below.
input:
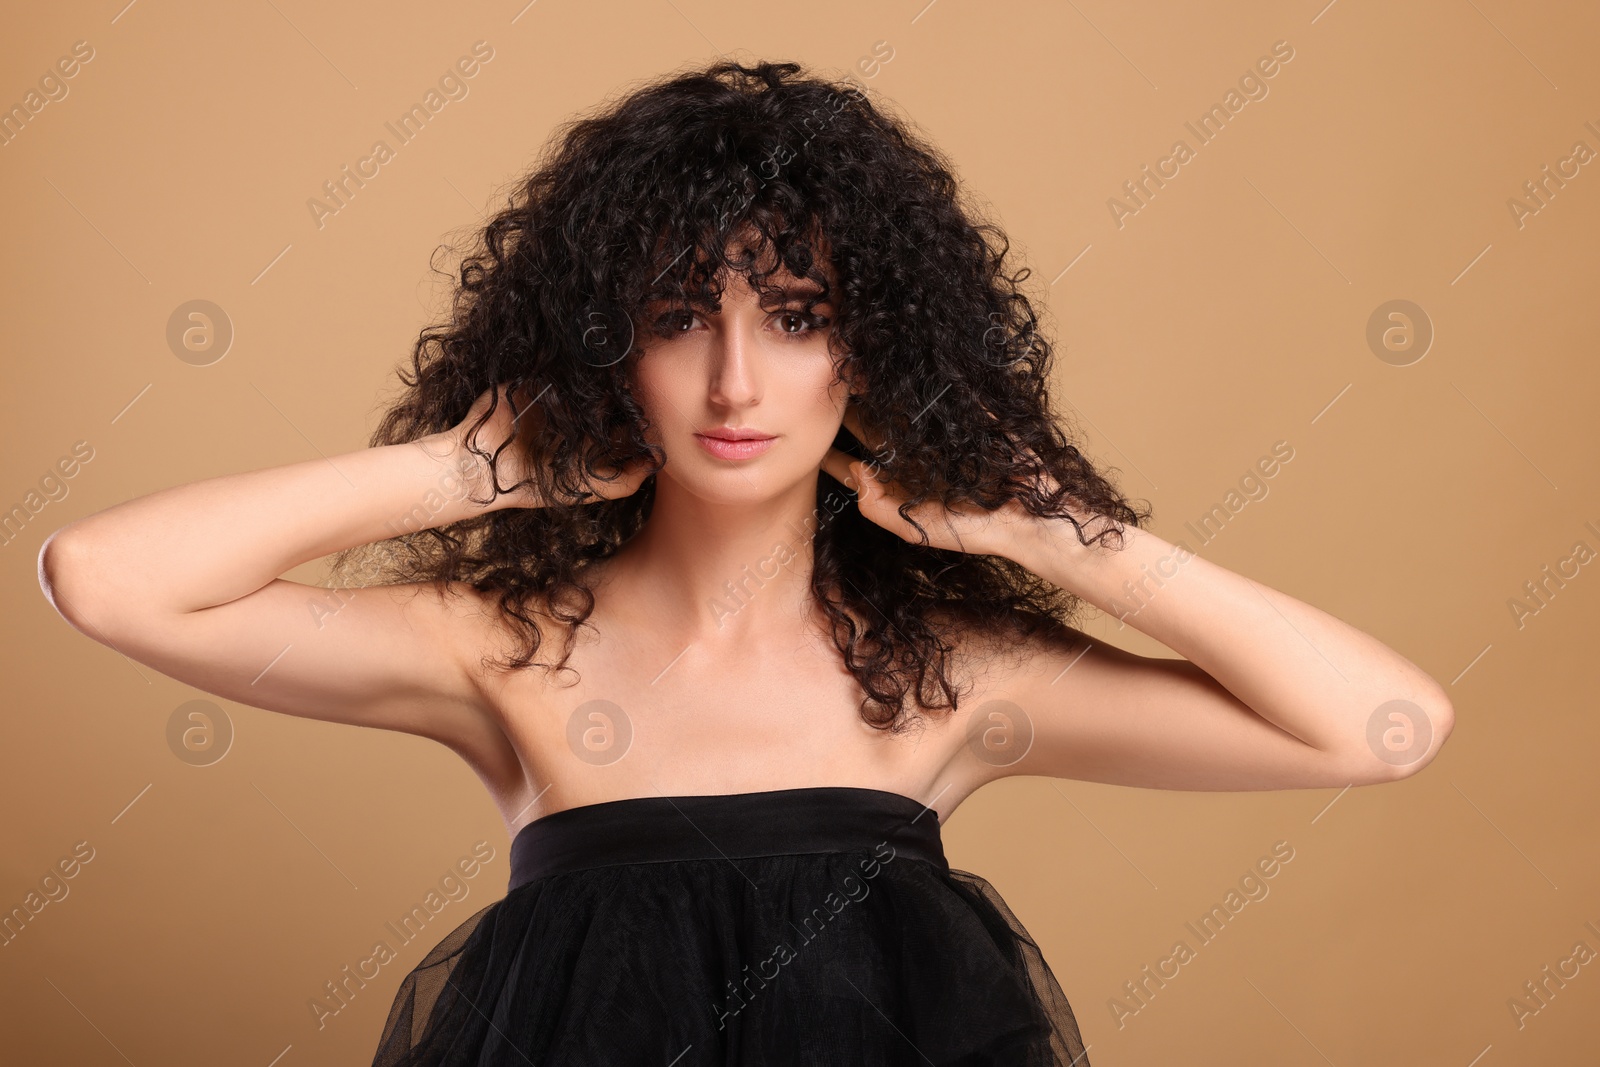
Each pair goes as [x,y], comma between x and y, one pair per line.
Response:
[748,244]
[777,279]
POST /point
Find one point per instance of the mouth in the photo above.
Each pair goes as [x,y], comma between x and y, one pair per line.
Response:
[737,433]
[735,444]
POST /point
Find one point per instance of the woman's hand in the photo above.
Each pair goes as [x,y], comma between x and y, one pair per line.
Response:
[962,528]
[526,431]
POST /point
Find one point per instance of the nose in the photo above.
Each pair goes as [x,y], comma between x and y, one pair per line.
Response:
[735,370]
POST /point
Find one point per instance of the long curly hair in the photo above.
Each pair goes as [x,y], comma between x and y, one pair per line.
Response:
[636,204]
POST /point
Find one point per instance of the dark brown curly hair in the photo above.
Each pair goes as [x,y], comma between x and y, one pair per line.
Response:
[637,204]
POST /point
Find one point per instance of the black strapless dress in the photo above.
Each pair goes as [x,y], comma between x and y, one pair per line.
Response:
[794,926]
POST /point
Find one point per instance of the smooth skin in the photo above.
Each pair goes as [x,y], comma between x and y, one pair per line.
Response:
[721,692]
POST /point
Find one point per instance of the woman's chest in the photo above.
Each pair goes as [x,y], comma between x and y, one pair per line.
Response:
[636,716]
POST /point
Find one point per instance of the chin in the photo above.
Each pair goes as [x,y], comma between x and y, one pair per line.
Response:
[748,481]
[729,485]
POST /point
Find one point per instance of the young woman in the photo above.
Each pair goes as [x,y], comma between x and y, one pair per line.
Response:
[730,537]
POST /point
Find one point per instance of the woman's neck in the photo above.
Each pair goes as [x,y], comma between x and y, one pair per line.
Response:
[705,568]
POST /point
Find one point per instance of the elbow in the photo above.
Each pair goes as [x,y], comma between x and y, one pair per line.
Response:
[86,580]
[1442,717]
[1404,736]
[63,565]
[52,565]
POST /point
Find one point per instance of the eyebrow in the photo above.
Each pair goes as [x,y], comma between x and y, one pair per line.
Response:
[801,290]
[785,293]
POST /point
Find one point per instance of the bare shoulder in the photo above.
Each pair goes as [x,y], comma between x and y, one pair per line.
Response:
[488,630]
[1034,698]
[495,631]
[484,632]
[990,664]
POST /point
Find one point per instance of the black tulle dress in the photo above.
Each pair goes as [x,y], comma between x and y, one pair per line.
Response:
[794,926]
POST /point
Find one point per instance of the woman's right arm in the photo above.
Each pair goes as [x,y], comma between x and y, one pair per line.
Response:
[187,581]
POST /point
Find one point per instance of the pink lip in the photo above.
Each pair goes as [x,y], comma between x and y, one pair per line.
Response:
[723,448]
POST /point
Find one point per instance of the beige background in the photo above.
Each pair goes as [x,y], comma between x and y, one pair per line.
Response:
[1228,313]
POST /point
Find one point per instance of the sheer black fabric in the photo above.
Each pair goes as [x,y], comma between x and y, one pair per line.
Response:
[817,926]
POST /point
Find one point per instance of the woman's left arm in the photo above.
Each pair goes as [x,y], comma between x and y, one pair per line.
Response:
[1272,693]
[1350,709]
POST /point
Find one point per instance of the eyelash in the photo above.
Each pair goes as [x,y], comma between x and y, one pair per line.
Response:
[813,322]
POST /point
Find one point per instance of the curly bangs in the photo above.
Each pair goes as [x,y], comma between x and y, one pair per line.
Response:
[659,198]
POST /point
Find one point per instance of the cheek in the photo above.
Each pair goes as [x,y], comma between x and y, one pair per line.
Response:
[835,398]
[658,391]
[816,376]
[823,409]
[839,394]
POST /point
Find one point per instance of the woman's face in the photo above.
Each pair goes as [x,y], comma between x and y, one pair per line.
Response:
[703,376]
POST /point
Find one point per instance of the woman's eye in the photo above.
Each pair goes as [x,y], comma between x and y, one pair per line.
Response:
[810,322]
[790,323]
[675,322]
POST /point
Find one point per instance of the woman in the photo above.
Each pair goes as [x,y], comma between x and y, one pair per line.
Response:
[739,432]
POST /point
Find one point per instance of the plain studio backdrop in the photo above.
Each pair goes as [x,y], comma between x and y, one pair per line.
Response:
[1366,272]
